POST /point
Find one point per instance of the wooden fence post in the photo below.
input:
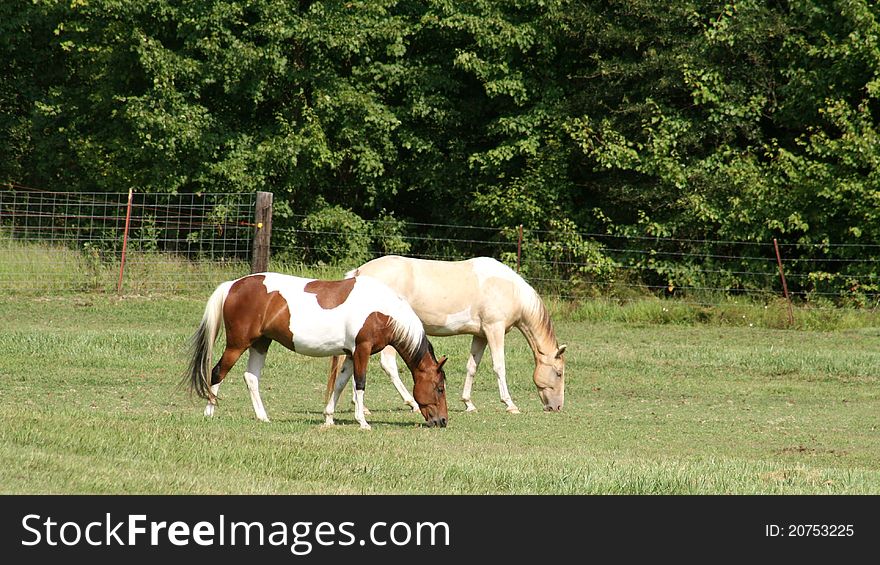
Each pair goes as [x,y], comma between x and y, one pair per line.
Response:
[262,232]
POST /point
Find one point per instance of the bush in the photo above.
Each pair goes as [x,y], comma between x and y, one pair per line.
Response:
[562,255]
[337,236]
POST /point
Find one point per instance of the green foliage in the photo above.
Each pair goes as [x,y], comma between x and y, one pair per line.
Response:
[560,260]
[697,120]
[148,235]
[387,235]
[334,235]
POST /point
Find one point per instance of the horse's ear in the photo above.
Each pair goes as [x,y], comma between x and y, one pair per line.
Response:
[440,362]
[560,351]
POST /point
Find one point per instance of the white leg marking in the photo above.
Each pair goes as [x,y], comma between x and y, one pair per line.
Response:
[256,360]
[359,410]
[478,346]
[354,400]
[341,380]
[495,338]
[388,362]
[209,407]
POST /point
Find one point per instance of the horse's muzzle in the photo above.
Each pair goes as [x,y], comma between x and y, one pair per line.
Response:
[552,399]
[437,422]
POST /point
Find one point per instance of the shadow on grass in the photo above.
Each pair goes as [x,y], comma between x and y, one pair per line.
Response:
[345,419]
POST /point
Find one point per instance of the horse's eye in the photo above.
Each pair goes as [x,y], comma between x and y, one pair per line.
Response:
[439,390]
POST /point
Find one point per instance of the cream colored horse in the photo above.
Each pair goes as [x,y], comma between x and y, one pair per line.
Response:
[481,297]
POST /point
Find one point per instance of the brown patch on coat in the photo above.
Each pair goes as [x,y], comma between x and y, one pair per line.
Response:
[251,312]
[376,332]
[330,293]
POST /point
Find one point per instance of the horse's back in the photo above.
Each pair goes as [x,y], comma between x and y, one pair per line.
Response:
[452,296]
[324,317]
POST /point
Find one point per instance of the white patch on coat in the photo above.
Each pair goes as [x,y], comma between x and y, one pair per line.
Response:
[462,321]
[321,332]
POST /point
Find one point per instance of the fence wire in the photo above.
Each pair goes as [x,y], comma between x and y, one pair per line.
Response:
[572,265]
[55,241]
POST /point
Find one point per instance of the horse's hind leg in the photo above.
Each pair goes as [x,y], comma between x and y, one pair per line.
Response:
[341,380]
[360,358]
[388,361]
[221,369]
[478,347]
[256,360]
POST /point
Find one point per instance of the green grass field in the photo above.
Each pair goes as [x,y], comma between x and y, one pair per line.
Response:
[90,403]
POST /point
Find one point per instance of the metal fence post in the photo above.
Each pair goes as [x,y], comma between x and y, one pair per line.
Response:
[124,241]
[519,248]
[784,285]
[262,232]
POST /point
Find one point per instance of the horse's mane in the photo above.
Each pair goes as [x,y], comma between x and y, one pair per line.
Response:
[535,314]
[409,333]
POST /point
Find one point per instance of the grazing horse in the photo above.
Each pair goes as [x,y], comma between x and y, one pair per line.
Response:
[354,317]
[481,297]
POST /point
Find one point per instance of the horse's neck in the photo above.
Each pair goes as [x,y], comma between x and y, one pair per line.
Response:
[538,331]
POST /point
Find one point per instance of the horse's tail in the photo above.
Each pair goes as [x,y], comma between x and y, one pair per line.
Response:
[202,344]
[335,366]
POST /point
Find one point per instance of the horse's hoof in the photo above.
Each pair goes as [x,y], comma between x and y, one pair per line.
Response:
[367,411]
[513,410]
[469,406]
[263,420]
[414,406]
[328,421]
[366,427]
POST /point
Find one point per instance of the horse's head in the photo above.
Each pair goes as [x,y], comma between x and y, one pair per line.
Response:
[550,379]
[430,390]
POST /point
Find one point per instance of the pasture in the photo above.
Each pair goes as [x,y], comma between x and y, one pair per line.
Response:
[90,403]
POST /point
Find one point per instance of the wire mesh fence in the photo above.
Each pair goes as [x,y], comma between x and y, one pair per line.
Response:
[58,241]
[568,264]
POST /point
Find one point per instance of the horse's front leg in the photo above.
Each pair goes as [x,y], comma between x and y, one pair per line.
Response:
[495,338]
[341,380]
[478,346]
[360,357]
[388,361]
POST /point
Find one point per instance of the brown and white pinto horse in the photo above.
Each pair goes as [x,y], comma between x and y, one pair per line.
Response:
[481,297]
[355,317]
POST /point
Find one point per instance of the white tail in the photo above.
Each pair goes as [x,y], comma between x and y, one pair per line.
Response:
[202,343]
